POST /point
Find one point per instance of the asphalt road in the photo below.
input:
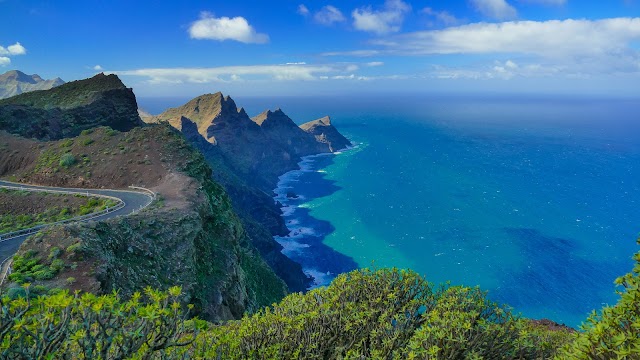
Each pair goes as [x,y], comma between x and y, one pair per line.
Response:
[134,201]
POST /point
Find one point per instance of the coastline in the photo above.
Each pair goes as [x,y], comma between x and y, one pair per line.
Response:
[304,242]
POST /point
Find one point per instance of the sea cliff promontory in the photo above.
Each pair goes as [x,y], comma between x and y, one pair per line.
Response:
[247,156]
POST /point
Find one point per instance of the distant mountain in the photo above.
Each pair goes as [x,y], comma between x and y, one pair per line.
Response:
[16,82]
[68,109]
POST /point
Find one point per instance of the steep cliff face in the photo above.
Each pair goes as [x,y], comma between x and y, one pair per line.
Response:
[260,216]
[247,156]
[190,237]
[326,133]
[67,110]
[282,130]
[259,149]
[16,82]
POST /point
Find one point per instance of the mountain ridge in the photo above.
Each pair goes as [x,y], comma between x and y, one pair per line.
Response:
[15,82]
[68,109]
[247,156]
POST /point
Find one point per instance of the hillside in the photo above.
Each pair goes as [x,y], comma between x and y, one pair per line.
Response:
[16,82]
[190,235]
[67,110]
[247,156]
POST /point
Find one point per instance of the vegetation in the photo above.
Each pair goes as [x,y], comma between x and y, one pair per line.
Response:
[10,222]
[366,314]
[67,160]
[65,326]
[28,267]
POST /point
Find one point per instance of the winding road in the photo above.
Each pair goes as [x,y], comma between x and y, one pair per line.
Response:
[134,201]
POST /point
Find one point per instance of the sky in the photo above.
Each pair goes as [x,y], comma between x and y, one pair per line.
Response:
[320,47]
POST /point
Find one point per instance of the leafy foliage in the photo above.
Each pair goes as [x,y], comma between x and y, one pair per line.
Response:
[67,160]
[58,212]
[28,267]
[385,314]
[612,333]
[91,327]
[365,314]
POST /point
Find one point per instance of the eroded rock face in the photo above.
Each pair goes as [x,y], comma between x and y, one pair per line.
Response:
[326,133]
[247,156]
[65,111]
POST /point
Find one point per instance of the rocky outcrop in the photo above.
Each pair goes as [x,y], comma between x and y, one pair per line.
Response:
[16,82]
[247,156]
[326,133]
[67,110]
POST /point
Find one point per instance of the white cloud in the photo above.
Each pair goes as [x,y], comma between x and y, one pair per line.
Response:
[328,15]
[506,70]
[443,17]
[496,9]
[98,68]
[303,10]
[232,73]
[4,61]
[12,50]
[225,28]
[550,39]
[384,21]
[374,63]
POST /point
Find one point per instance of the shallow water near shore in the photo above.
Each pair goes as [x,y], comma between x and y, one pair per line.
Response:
[533,199]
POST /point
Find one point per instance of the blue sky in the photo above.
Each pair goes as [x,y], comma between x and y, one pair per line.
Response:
[315,47]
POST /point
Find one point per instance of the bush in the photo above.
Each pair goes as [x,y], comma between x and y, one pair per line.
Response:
[612,333]
[67,160]
[62,326]
[385,314]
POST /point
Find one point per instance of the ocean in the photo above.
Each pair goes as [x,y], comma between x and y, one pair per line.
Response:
[534,199]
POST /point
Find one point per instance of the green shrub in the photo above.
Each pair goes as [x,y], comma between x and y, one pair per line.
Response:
[612,333]
[63,326]
[67,160]
[66,143]
[87,141]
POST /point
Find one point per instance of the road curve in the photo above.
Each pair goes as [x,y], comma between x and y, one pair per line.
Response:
[134,201]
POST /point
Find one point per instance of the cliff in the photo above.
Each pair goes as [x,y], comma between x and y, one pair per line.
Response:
[16,82]
[326,133]
[190,236]
[247,156]
[67,110]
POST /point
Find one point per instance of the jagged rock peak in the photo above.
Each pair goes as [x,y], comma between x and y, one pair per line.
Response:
[325,120]
[276,116]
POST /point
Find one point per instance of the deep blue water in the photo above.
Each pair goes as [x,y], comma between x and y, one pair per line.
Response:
[533,199]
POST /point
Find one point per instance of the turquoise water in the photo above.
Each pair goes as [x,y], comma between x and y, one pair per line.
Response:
[534,200]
